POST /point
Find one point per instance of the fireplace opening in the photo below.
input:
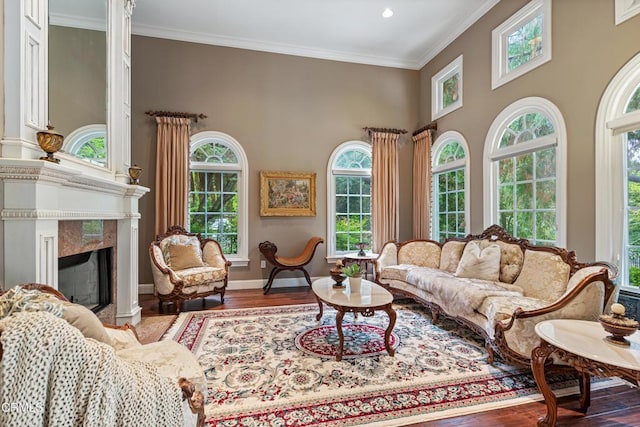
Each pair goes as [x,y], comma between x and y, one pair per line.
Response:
[85,278]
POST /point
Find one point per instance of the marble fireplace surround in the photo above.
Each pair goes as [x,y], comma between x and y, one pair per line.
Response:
[41,200]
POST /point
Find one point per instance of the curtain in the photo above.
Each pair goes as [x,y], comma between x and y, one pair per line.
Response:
[421,184]
[172,172]
[385,189]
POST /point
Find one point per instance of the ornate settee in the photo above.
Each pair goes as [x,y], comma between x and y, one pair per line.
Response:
[497,285]
[60,366]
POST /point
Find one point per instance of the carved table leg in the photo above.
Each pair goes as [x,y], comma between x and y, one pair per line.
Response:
[339,317]
[539,356]
[387,334]
[319,315]
[585,391]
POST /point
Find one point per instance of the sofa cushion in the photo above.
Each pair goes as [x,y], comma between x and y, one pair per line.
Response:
[199,275]
[396,272]
[86,321]
[178,239]
[544,275]
[450,255]
[511,259]
[420,253]
[184,256]
[498,308]
[477,263]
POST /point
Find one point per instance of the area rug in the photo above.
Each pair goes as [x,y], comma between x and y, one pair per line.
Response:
[258,376]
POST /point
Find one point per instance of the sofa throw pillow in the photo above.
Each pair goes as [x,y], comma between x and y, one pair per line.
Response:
[477,263]
[86,321]
[184,256]
[544,275]
[450,255]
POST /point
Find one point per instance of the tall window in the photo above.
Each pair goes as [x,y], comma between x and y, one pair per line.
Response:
[349,197]
[450,183]
[88,143]
[525,172]
[618,175]
[218,192]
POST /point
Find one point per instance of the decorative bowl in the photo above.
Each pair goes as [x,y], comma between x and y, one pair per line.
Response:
[619,327]
[337,277]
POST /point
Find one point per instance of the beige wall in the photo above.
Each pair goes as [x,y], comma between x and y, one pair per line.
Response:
[588,49]
[287,112]
[77,78]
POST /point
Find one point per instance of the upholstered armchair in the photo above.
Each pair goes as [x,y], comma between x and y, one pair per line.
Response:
[186,266]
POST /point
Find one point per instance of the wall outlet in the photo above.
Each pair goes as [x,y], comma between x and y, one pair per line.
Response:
[263,264]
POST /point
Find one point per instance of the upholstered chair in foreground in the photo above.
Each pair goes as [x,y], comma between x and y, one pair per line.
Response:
[186,266]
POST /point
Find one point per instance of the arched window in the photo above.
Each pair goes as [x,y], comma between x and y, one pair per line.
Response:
[88,143]
[618,175]
[450,179]
[349,198]
[218,188]
[525,172]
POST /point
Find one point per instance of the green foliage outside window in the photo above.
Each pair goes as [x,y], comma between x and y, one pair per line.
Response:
[213,207]
[94,150]
[527,183]
[353,212]
[525,43]
[633,200]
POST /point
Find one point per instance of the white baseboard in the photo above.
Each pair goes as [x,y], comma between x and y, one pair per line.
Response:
[289,282]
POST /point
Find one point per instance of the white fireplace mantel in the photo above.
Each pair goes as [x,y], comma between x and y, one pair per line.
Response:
[37,195]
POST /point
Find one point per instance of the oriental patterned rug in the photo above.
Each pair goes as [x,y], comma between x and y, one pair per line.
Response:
[276,366]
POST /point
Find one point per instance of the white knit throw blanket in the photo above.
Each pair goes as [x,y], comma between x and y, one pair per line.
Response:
[50,375]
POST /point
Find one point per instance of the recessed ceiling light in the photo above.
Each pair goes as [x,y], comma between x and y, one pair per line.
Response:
[387,13]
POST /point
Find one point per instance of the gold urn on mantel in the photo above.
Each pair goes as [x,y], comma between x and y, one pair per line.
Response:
[134,174]
[51,142]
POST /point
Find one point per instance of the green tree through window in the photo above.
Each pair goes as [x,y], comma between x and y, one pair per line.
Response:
[351,181]
[449,201]
[214,193]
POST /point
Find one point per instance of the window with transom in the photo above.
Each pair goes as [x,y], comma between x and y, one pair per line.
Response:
[349,198]
[218,192]
[524,161]
[450,183]
[617,175]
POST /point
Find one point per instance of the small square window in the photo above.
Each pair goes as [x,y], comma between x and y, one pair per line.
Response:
[446,89]
[521,43]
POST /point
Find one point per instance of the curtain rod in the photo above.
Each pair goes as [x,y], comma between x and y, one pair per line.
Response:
[431,126]
[192,116]
[396,131]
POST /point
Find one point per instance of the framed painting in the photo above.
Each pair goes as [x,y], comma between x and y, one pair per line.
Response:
[626,9]
[287,194]
[446,89]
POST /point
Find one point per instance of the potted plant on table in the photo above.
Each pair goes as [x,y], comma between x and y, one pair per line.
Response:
[354,273]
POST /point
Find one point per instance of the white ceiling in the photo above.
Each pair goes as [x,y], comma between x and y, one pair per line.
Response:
[343,30]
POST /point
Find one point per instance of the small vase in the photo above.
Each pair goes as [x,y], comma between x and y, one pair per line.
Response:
[354,284]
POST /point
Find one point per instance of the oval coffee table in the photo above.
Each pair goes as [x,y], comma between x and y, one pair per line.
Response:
[371,297]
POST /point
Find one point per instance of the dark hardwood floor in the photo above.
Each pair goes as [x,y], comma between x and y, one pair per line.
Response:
[612,407]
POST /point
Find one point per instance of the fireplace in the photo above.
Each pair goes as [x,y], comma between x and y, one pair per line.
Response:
[87,264]
[85,278]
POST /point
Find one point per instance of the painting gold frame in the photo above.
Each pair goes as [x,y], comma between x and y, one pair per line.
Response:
[287,194]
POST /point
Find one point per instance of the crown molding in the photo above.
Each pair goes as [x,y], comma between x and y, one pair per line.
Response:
[281,48]
[74,21]
[450,37]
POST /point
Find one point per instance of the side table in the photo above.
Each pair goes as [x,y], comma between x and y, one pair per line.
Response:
[581,344]
[362,260]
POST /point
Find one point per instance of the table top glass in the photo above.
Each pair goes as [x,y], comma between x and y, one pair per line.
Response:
[370,295]
[586,339]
